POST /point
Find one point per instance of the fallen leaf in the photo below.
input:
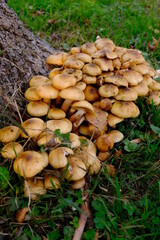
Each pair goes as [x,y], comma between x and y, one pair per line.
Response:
[98,118]
[154,46]
[51,21]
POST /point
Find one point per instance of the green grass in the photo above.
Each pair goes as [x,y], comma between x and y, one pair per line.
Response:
[128,205]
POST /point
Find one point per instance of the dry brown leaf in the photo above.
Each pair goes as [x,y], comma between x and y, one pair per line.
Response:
[154,46]
[51,21]
[98,118]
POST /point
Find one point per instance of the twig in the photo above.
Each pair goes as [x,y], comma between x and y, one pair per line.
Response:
[83,216]
[20,117]
[29,195]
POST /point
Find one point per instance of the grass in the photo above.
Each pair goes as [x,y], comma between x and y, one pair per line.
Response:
[128,205]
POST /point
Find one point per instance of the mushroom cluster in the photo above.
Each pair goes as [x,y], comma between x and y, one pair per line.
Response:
[90,89]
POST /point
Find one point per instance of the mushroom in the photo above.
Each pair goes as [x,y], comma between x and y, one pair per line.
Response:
[116,80]
[51,182]
[105,43]
[21,215]
[77,73]
[37,81]
[89,79]
[91,93]
[57,157]
[127,94]
[81,56]
[91,69]
[73,63]
[37,109]
[141,89]
[33,188]
[75,142]
[56,113]
[47,138]
[104,143]
[113,120]
[133,78]
[11,150]
[104,64]
[63,81]
[154,97]
[47,91]
[105,104]
[108,90]
[88,48]
[32,95]
[55,72]
[116,135]
[32,127]
[124,109]
[64,125]
[57,58]
[71,94]
[154,86]
[28,164]
[78,184]
[132,56]
[75,50]
[76,169]
[9,134]
[103,156]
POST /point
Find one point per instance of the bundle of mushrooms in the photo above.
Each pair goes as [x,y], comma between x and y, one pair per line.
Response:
[90,88]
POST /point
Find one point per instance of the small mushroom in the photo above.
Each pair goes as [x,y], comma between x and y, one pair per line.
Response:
[33,188]
[116,135]
[108,90]
[32,127]
[88,48]
[91,93]
[9,134]
[57,58]
[47,91]
[63,81]
[126,94]
[51,182]
[78,184]
[37,81]
[11,150]
[113,120]
[56,113]
[21,215]
[154,97]
[37,109]
[125,109]
[73,63]
[32,95]
[28,164]
[104,64]
[64,125]
[91,69]
[57,157]
[104,143]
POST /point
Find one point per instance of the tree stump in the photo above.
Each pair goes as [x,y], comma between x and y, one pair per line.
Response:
[22,55]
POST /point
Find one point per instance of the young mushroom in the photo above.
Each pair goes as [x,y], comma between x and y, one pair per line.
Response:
[9,134]
[34,188]
[11,150]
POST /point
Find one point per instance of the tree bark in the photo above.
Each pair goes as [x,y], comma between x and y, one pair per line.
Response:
[22,55]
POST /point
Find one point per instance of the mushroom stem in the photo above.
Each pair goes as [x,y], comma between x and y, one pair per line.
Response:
[76,116]
[83,216]
[66,104]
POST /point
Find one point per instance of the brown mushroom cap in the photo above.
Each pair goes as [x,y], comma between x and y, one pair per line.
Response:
[37,109]
[88,48]
[75,50]
[37,81]
[133,56]
[75,142]
[45,158]
[47,137]
[76,169]
[78,184]
[73,63]
[77,73]
[33,188]
[147,80]
[133,78]
[72,93]
[105,43]
[95,167]
[11,150]
[9,134]
[108,90]
[56,58]
[32,95]
[81,56]
[33,127]
[104,64]
[116,80]
[141,68]
[154,86]
[91,69]
[51,182]
[47,91]
[116,135]
[105,104]
[57,157]
[28,164]
[88,79]
[81,85]
[141,89]
[127,94]
[103,156]
[91,93]
[62,81]
[64,125]
[104,143]
[56,113]
[55,72]
[125,109]
[113,120]
[120,51]
[154,97]
[116,63]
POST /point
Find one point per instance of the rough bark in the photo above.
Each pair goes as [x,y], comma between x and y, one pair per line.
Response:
[22,55]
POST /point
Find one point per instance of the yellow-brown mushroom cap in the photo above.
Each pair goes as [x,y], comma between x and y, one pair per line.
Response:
[32,95]
[73,63]
[9,134]
[37,80]
[116,135]
[154,96]
[104,143]
[33,127]
[108,90]
[124,109]
[88,48]
[11,150]
[57,157]
[72,93]
[37,109]
[33,188]
[56,113]
[62,81]
[64,125]
[127,94]
[104,64]
[51,182]
[56,58]
[28,164]
[47,91]
[91,69]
